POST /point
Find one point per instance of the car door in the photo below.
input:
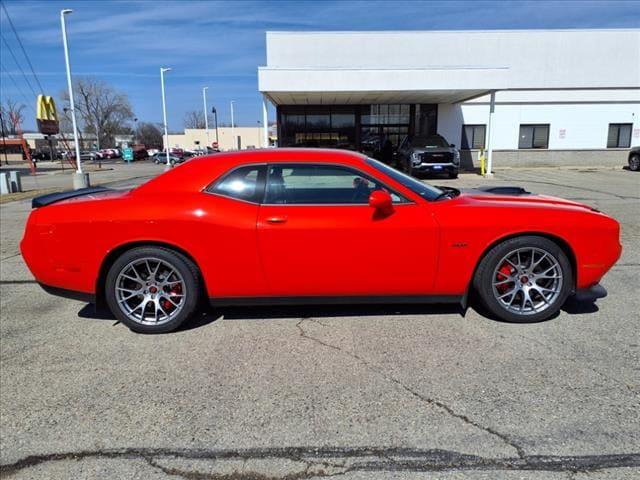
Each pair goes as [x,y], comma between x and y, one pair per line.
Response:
[318,236]
[227,222]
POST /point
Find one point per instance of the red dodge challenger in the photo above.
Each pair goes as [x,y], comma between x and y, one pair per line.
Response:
[312,226]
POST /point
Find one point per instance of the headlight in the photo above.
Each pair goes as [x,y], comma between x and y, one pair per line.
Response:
[456,156]
[415,157]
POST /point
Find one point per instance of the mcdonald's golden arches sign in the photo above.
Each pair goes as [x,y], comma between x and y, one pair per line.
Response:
[47,116]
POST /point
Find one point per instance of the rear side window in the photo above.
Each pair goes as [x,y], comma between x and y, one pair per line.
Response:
[244,183]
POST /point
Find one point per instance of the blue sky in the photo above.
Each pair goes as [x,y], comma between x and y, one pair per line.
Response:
[220,44]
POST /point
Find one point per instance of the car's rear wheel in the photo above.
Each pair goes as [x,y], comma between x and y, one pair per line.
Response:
[634,163]
[524,279]
[152,289]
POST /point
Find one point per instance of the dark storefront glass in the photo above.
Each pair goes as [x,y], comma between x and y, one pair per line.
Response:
[317,126]
[426,120]
[376,130]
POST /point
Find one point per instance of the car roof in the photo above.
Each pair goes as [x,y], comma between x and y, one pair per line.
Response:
[197,173]
[287,155]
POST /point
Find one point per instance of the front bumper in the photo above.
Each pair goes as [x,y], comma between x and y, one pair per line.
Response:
[435,167]
[590,294]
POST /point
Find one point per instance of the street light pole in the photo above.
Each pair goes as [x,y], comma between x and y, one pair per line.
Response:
[233,132]
[164,115]
[215,118]
[206,115]
[79,180]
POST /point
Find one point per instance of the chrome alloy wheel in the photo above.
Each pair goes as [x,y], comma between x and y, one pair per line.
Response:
[527,281]
[150,291]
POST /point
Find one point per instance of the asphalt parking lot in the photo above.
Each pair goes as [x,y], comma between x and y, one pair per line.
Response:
[385,392]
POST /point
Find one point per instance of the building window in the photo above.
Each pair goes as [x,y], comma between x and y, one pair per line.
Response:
[534,136]
[473,136]
[619,135]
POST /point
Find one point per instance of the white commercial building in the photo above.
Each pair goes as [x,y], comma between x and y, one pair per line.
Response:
[532,97]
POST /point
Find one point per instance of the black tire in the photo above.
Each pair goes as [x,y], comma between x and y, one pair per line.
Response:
[453,174]
[187,270]
[484,278]
[634,163]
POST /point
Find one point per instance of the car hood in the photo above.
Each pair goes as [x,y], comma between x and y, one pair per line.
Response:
[516,196]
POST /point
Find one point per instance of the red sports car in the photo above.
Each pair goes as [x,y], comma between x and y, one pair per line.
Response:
[312,226]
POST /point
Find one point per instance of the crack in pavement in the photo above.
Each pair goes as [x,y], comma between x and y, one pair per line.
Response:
[431,401]
[321,462]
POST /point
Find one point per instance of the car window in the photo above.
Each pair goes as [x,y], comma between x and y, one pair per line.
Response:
[426,191]
[244,183]
[320,184]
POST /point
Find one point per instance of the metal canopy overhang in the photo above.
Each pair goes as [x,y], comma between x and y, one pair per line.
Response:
[290,86]
[367,98]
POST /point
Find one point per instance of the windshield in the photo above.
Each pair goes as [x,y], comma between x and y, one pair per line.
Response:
[429,142]
[425,190]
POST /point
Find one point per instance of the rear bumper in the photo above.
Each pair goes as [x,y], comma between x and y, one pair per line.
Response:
[590,294]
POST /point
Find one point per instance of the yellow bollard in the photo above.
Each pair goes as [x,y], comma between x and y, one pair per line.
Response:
[482,160]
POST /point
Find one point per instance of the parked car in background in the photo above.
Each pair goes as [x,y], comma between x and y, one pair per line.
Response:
[88,156]
[268,209]
[161,157]
[40,155]
[139,152]
[634,159]
[107,153]
[419,155]
[176,152]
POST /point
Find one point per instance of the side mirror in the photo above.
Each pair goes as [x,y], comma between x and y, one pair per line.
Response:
[381,201]
[452,145]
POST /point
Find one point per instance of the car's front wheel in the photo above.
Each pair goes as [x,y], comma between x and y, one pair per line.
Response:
[524,279]
[634,163]
[152,289]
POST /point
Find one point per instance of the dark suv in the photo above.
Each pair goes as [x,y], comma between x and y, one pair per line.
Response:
[634,159]
[428,154]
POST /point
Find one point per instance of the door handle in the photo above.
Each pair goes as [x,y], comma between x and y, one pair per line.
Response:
[276,219]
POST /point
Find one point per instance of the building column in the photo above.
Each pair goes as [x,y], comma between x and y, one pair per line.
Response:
[492,108]
[265,123]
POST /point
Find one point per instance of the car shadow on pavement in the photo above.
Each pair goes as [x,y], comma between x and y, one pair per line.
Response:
[576,307]
[92,312]
[323,311]
[210,315]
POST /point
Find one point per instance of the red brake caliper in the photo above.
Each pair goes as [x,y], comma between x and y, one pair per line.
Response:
[177,290]
[503,273]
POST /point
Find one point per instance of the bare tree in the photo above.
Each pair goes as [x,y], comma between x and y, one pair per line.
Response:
[149,134]
[101,110]
[194,119]
[12,116]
